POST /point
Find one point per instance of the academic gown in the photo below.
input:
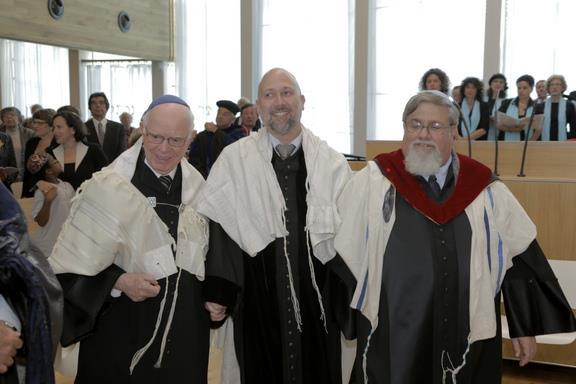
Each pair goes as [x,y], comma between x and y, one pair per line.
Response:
[269,346]
[122,327]
[424,303]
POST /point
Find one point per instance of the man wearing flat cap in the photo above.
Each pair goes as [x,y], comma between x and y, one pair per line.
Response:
[130,259]
[209,143]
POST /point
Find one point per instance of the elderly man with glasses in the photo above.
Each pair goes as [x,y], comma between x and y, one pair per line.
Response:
[432,238]
[130,258]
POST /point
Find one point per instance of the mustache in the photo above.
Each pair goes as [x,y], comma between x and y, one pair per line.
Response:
[424,142]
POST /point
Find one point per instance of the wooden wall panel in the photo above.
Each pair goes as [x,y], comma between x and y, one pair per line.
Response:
[544,160]
[92,25]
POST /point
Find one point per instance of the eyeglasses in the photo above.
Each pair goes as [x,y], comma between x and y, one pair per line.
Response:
[172,141]
[416,126]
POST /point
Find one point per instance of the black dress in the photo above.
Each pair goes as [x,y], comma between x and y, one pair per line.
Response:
[93,161]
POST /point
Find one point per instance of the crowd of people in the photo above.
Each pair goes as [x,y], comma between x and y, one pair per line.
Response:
[549,117]
[256,226]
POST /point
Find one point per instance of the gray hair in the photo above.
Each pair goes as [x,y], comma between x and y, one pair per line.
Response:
[433,97]
[190,116]
[557,77]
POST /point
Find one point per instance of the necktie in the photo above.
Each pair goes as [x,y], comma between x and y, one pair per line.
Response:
[166,182]
[100,133]
[434,186]
[285,150]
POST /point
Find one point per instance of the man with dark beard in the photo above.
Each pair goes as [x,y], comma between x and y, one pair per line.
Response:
[431,237]
[271,262]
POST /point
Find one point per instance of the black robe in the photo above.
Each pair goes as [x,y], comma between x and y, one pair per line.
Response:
[424,303]
[269,347]
[117,327]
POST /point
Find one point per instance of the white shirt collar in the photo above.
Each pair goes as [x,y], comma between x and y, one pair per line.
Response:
[443,172]
[297,142]
[103,121]
[171,173]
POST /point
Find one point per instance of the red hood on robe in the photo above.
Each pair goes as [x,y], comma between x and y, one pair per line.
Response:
[472,178]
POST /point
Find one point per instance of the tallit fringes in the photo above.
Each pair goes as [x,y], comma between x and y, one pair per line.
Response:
[140,353]
[313,277]
[365,356]
[169,321]
[454,371]
[295,302]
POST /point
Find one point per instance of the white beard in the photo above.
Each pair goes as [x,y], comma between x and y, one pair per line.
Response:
[421,161]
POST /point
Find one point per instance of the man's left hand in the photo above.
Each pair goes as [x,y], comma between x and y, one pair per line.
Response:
[524,349]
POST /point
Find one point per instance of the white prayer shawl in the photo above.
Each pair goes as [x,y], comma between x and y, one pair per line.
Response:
[363,237]
[242,193]
[112,222]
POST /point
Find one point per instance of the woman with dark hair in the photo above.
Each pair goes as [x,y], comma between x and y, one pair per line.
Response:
[36,148]
[558,112]
[435,79]
[79,159]
[520,108]
[496,93]
[475,112]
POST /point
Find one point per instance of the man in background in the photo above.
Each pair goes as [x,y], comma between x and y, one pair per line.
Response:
[249,119]
[108,134]
[19,135]
[209,143]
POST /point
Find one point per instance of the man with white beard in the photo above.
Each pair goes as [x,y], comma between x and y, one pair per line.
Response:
[431,237]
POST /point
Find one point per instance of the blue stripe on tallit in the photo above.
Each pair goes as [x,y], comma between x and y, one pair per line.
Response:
[500,263]
[362,293]
[500,246]
[360,301]
[488,248]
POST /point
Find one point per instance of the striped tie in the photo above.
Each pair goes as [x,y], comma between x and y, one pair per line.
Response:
[166,182]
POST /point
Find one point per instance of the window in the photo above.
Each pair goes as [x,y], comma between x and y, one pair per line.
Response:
[33,74]
[127,83]
[311,39]
[412,36]
[539,40]
[207,67]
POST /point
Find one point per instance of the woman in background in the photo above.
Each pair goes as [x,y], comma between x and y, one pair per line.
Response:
[78,159]
[475,113]
[496,93]
[558,112]
[435,79]
[520,108]
[36,147]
